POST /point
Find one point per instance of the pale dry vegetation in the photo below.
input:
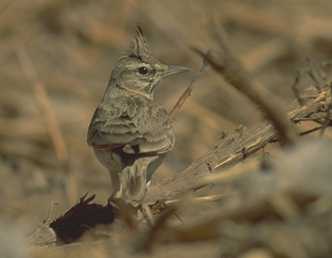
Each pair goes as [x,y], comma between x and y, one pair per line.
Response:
[250,175]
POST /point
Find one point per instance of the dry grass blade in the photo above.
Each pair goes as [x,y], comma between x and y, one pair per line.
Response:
[45,104]
[180,102]
[226,64]
[186,94]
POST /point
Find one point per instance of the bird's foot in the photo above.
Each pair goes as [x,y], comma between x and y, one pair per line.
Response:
[145,213]
[142,212]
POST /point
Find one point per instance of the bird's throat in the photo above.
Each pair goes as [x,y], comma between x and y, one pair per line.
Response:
[137,92]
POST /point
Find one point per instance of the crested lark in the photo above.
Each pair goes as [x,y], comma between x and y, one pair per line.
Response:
[129,132]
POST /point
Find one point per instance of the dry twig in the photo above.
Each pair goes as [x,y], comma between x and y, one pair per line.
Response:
[295,89]
[51,122]
[180,102]
[46,106]
[232,149]
[226,64]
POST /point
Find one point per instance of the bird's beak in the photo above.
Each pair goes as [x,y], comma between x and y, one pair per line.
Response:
[174,69]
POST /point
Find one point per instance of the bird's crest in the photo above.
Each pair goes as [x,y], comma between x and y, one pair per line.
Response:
[139,47]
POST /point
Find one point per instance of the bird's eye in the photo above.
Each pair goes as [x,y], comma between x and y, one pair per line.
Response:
[143,70]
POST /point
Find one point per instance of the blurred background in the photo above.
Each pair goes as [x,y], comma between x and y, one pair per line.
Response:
[56,58]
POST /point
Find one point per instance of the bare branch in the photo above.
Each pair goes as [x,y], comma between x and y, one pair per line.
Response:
[233,149]
[226,64]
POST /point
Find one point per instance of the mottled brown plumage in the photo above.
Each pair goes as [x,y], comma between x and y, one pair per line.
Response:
[129,132]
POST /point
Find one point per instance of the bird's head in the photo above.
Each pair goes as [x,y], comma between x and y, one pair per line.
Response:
[138,72]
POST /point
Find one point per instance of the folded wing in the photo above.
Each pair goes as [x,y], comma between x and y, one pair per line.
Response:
[146,131]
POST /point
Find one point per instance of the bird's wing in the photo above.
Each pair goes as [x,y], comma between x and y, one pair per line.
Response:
[157,131]
[143,131]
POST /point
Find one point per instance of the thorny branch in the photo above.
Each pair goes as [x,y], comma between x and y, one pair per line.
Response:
[290,202]
[235,148]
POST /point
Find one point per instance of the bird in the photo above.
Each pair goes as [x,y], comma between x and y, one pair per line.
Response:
[131,133]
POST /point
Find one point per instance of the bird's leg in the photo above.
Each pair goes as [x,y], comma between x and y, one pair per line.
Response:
[133,181]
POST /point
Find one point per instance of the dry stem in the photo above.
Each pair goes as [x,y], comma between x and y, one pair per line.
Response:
[226,64]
